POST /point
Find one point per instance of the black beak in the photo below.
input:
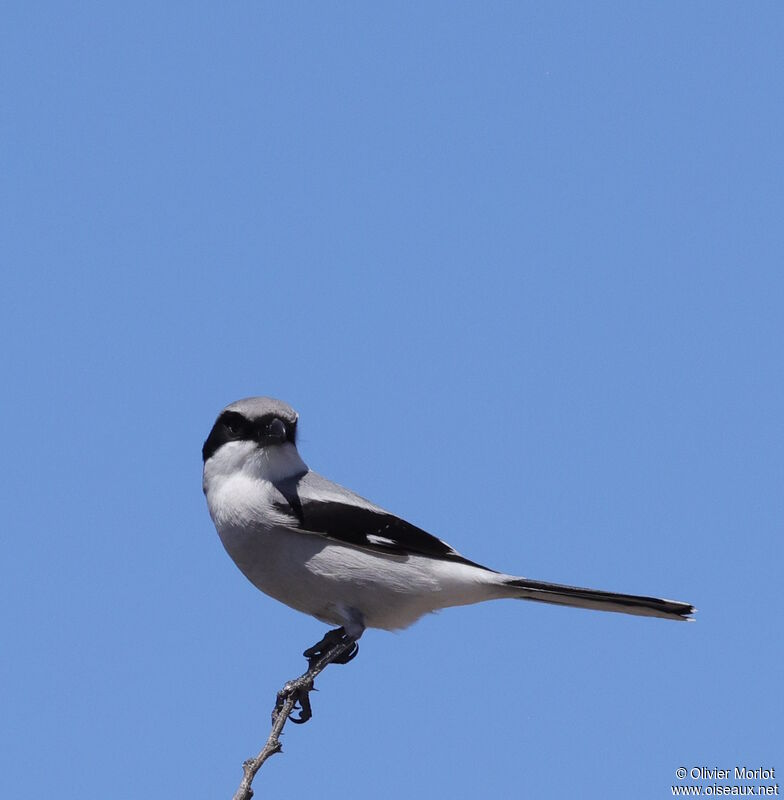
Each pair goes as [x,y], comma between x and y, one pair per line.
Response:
[274,432]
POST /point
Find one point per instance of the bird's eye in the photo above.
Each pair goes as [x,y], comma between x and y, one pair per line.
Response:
[233,424]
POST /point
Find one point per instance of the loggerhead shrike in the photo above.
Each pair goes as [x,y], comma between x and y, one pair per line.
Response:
[328,552]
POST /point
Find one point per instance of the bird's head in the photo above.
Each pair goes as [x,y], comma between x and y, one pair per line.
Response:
[251,430]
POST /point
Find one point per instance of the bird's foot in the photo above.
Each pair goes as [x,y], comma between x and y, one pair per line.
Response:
[329,642]
[299,690]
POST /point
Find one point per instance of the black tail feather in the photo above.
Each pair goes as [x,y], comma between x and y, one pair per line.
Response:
[542,592]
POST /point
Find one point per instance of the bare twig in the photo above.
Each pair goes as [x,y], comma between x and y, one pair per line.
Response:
[295,691]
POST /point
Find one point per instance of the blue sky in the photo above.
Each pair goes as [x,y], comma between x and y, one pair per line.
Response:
[518,267]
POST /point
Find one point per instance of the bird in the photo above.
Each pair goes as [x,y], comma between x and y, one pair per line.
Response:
[325,551]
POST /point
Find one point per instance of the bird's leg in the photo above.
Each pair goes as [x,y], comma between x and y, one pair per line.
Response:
[331,640]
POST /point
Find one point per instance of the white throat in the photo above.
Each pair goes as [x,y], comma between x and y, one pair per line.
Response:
[239,482]
[273,463]
[276,462]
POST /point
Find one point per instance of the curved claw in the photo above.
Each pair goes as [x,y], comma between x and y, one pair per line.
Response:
[305,711]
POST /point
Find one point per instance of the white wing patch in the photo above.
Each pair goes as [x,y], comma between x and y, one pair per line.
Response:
[380,540]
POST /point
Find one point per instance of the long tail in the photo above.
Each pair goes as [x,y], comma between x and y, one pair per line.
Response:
[542,592]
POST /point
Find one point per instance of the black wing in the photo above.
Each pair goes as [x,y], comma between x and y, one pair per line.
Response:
[324,507]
